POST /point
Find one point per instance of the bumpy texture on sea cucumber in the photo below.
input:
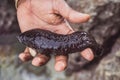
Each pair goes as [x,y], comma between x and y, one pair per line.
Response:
[46,42]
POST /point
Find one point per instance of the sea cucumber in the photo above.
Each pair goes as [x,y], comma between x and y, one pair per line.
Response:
[47,42]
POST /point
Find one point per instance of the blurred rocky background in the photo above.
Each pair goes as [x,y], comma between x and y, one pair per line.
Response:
[104,25]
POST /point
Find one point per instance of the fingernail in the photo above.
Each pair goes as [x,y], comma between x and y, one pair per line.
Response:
[23,57]
[60,66]
[37,61]
[32,52]
[83,14]
[85,17]
[89,54]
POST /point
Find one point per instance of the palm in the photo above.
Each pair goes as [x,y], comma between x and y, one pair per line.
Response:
[41,16]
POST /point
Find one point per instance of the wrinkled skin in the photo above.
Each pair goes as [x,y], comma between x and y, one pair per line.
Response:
[47,42]
[50,15]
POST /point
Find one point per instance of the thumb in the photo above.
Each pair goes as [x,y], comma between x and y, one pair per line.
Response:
[73,16]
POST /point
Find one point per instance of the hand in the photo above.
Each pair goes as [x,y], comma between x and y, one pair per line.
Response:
[49,15]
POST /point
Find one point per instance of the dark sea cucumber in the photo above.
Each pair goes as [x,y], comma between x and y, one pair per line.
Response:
[48,42]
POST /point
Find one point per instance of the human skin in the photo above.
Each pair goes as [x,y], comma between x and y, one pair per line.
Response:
[50,15]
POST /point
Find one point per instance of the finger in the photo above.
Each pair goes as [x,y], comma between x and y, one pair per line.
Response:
[33,53]
[73,16]
[61,62]
[25,56]
[40,60]
[87,54]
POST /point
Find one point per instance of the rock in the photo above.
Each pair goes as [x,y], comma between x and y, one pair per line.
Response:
[8,20]
[109,69]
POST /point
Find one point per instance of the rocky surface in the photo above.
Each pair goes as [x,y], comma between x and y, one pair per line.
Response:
[8,20]
[104,26]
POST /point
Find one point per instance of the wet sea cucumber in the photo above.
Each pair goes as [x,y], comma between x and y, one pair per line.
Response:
[47,42]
